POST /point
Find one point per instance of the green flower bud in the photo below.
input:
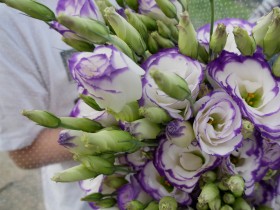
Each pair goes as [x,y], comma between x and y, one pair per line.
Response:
[187,41]
[92,197]
[276,67]
[122,46]
[143,129]
[271,41]
[110,141]
[209,176]
[162,42]
[90,101]
[222,185]
[236,185]
[219,38]
[83,124]
[105,203]
[245,43]
[125,31]
[168,203]
[135,205]
[149,22]
[209,193]
[152,206]
[152,44]
[129,113]
[96,164]
[228,198]
[215,204]
[114,181]
[200,206]
[79,45]
[168,8]
[172,84]
[226,207]
[155,114]
[74,174]
[247,128]
[102,5]
[241,204]
[163,30]
[92,30]
[32,8]
[133,4]
[174,32]
[135,21]
[43,118]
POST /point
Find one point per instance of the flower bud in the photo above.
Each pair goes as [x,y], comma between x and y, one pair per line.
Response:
[71,140]
[163,30]
[168,203]
[226,207]
[276,67]
[143,129]
[96,164]
[114,181]
[32,8]
[89,29]
[219,38]
[241,204]
[110,141]
[167,8]
[133,4]
[172,84]
[174,32]
[105,203]
[79,45]
[135,21]
[149,22]
[245,43]
[247,128]
[215,204]
[236,185]
[74,174]
[155,114]
[91,102]
[83,124]
[209,193]
[222,185]
[187,41]
[180,133]
[152,206]
[129,113]
[200,206]
[135,205]
[152,44]
[228,198]
[92,197]
[125,31]
[162,42]
[209,176]
[43,118]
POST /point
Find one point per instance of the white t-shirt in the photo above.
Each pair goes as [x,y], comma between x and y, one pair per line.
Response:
[33,76]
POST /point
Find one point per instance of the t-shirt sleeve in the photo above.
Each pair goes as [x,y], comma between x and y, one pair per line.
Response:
[22,87]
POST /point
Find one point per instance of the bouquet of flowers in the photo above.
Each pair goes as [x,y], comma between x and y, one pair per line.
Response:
[169,117]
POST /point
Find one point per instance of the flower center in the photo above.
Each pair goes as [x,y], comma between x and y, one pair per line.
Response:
[169,188]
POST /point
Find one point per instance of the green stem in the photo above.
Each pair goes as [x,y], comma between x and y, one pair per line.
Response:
[212,6]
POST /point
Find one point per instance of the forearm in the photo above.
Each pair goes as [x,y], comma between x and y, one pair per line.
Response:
[44,150]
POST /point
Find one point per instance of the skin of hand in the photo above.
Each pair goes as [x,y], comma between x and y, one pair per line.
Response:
[43,151]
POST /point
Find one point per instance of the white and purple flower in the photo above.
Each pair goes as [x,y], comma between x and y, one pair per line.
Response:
[183,166]
[249,81]
[106,74]
[217,124]
[171,61]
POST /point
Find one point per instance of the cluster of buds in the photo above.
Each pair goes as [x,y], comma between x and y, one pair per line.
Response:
[225,194]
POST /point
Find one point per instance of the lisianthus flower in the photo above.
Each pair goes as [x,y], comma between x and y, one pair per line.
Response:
[157,186]
[217,124]
[81,109]
[171,61]
[203,33]
[137,160]
[246,161]
[151,9]
[249,81]
[105,74]
[183,166]
[271,157]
